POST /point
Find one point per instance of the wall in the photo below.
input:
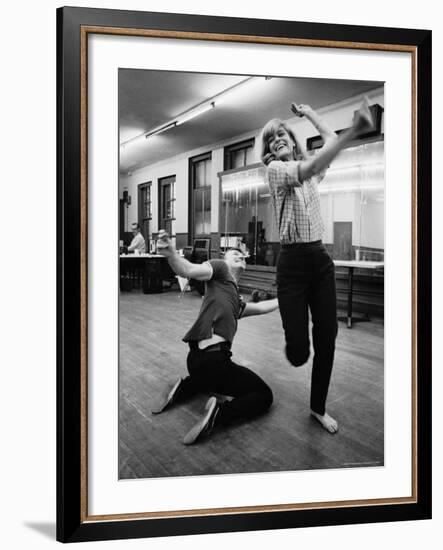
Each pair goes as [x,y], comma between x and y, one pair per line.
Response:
[178,165]
[372,234]
[338,116]
[367,218]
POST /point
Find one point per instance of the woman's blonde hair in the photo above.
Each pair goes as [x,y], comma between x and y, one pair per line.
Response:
[269,130]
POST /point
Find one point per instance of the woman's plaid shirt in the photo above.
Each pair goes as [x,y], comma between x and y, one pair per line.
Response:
[296,204]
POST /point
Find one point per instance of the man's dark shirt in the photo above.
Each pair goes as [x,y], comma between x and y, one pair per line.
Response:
[221,308]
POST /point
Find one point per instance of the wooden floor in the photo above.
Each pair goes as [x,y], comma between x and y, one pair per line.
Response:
[286,438]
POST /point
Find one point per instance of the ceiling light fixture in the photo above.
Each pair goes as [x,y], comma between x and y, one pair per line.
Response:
[235,92]
[161,129]
[196,111]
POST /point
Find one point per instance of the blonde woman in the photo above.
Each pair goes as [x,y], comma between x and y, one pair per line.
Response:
[305,271]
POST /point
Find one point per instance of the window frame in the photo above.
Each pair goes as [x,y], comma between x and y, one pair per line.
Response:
[140,208]
[234,147]
[162,184]
[193,161]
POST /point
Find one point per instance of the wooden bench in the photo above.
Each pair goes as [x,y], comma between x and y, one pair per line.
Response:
[368,293]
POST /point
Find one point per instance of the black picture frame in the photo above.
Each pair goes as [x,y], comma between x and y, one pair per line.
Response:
[73,523]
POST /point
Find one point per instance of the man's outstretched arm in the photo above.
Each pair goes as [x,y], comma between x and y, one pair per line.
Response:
[260,308]
[181,266]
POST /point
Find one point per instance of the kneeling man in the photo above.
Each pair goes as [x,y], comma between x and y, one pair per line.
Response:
[210,367]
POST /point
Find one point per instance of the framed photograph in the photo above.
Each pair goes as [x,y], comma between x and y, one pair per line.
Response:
[244,269]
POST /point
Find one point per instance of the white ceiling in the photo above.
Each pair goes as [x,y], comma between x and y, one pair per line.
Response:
[148,99]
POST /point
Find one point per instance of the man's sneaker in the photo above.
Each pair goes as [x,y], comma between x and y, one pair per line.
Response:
[168,399]
[204,426]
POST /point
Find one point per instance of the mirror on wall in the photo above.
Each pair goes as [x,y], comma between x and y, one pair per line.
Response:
[351,199]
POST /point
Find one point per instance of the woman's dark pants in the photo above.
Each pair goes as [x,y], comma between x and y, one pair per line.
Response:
[306,280]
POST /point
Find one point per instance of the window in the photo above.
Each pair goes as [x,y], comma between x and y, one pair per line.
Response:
[166,193]
[200,196]
[239,154]
[144,208]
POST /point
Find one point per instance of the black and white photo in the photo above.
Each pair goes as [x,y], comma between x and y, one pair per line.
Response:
[250,196]
[244,259]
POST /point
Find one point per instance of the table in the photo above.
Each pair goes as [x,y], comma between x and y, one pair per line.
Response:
[351,265]
[151,267]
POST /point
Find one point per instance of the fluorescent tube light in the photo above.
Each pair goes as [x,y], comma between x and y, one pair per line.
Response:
[231,93]
[137,139]
[161,129]
[194,113]
[238,91]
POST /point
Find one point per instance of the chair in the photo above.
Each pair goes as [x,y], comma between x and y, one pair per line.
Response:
[201,250]
[187,252]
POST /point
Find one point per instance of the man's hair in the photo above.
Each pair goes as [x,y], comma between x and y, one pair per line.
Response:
[270,129]
[232,248]
[135,225]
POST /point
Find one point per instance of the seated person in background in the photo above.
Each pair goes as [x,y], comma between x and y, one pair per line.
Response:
[138,242]
[210,367]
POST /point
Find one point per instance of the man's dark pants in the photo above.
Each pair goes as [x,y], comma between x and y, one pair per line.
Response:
[212,371]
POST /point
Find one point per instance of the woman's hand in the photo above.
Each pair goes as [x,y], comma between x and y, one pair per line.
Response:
[268,158]
[363,121]
[301,110]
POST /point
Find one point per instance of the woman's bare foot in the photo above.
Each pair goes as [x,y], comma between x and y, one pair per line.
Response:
[326,421]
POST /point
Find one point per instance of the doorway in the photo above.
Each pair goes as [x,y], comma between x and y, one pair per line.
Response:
[342,249]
